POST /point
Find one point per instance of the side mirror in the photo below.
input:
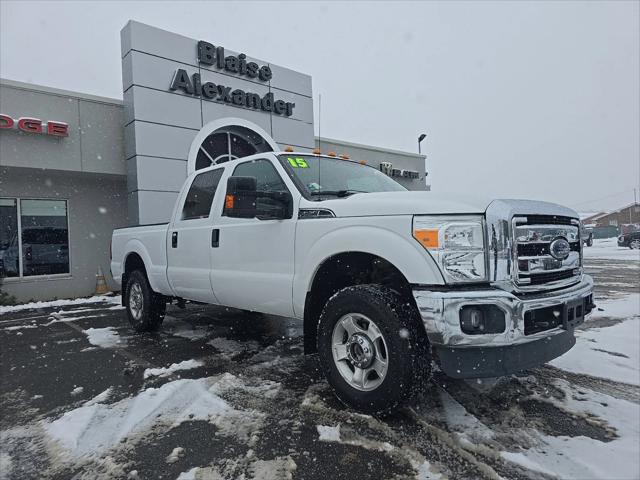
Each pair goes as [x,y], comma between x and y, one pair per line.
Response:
[274,205]
[240,200]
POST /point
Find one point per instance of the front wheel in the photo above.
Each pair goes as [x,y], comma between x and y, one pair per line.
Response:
[372,347]
[635,244]
[145,308]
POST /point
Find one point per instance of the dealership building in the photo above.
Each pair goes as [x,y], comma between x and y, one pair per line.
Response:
[75,166]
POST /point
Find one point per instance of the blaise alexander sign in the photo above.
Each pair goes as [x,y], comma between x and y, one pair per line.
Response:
[211,55]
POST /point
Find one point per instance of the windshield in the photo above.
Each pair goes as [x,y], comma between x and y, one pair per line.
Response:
[320,176]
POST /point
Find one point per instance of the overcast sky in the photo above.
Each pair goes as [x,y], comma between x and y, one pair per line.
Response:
[537,100]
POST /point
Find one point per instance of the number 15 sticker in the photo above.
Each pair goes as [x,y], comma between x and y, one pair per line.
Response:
[298,162]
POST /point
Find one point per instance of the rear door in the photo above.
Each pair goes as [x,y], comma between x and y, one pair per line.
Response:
[189,240]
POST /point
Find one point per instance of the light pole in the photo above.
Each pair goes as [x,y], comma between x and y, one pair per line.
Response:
[420,138]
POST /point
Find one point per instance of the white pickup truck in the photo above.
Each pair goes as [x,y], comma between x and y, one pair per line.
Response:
[387,282]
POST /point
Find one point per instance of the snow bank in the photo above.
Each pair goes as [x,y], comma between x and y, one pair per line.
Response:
[60,303]
[93,429]
[174,367]
[101,397]
[103,337]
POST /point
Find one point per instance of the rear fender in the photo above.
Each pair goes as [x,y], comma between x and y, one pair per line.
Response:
[156,274]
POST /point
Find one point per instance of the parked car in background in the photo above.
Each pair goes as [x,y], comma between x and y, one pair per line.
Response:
[586,234]
[631,240]
[45,251]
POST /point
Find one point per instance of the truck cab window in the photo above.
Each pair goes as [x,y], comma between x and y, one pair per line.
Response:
[267,178]
[200,195]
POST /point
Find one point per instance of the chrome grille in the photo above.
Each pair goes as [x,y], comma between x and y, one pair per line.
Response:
[519,235]
[534,264]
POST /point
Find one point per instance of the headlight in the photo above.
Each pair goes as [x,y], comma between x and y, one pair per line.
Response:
[456,243]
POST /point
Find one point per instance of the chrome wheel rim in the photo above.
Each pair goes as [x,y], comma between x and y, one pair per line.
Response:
[135,301]
[359,352]
[635,244]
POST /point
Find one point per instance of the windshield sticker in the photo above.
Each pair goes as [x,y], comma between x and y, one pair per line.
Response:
[298,162]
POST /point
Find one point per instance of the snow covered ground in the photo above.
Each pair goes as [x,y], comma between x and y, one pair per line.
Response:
[60,303]
[219,394]
[610,351]
[607,248]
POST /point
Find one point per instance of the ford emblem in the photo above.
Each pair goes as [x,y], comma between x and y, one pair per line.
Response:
[559,248]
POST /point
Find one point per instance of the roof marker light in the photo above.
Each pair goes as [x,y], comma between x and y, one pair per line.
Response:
[288,149]
[362,162]
[344,156]
[316,151]
[332,154]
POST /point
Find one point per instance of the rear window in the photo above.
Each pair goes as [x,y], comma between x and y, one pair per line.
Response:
[200,196]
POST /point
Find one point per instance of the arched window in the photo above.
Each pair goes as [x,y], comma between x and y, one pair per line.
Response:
[228,143]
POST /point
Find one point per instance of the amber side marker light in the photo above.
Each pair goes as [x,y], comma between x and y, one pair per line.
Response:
[288,149]
[427,238]
[362,162]
[344,156]
[316,151]
[228,202]
[331,154]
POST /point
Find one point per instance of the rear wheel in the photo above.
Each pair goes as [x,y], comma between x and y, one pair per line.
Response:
[145,308]
[372,348]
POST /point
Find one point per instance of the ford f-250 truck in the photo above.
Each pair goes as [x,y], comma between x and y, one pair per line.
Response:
[386,281]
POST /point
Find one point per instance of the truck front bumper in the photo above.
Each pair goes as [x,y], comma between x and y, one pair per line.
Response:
[522,344]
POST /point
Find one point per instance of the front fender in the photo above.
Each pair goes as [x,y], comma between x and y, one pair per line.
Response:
[382,240]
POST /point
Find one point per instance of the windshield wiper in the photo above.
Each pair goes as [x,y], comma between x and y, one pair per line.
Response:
[336,193]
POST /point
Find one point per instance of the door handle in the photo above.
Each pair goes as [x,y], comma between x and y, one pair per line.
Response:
[174,240]
[215,237]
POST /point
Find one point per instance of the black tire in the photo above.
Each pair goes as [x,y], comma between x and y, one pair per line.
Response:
[407,352]
[590,241]
[153,306]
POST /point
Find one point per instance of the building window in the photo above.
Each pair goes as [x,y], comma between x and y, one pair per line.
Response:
[34,237]
[9,255]
[230,143]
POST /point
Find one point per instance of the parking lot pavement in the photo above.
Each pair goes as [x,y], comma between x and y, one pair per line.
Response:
[219,393]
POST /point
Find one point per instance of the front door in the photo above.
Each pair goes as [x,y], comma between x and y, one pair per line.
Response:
[252,268]
[189,241]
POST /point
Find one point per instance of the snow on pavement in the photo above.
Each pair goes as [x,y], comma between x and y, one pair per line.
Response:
[582,457]
[96,428]
[106,337]
[328,433]
[607,248]
[610,351]
[61,303]
[174,367]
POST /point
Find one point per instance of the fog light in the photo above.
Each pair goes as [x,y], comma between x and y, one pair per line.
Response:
[476,318]
[480,319]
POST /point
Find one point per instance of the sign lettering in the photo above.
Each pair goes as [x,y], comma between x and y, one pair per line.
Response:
[34,125]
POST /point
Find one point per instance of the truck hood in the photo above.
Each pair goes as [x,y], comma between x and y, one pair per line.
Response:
[429,203]
[400,203]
